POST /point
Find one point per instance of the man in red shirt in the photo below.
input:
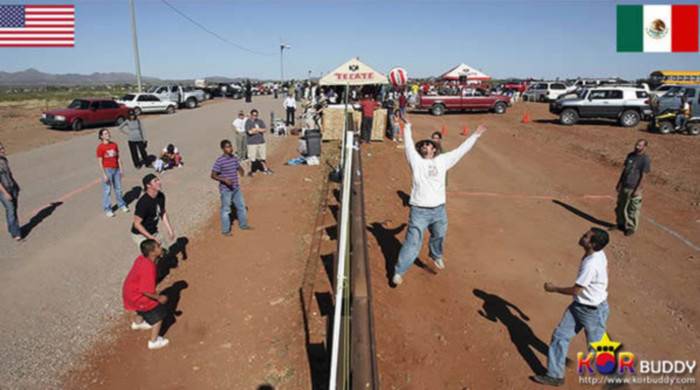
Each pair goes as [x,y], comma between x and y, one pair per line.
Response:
[368,105]
[139,294]
[110,167]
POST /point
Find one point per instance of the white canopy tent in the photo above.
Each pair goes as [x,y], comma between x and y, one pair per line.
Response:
[352,73]
[464,70]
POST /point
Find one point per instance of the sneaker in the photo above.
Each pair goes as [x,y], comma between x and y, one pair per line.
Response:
[268,172]
[125,209]
[629,232]
[140,325]
[548,380]
[109,213]
[251,174]
[159,343]
[227,234]
[440,263]
[246,227]
[397,279]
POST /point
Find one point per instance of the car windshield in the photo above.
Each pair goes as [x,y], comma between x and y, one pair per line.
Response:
[152,90]
[128,97]
[680,91]
[79,104]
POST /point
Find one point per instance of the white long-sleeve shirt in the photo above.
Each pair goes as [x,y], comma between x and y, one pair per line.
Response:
[289,102]
[428,186]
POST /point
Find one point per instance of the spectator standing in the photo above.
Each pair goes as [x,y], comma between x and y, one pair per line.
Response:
[589,309]
[429,169]
[629,188]
[275,89]
[110,167]
[241,138]
[368,105]
[9,196]
[150,208]
[257,150]
[140,297]
[137,141]
[290,105]
[248,92]
[225,170]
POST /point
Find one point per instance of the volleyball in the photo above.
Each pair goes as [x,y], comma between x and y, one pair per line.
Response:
[398,77]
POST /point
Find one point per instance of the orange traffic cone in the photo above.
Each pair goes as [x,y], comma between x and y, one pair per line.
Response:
[526,118]
[444,130]
[465,130]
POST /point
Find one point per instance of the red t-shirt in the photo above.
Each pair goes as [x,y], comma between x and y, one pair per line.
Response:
[368,107]
[109,154]
[141,278]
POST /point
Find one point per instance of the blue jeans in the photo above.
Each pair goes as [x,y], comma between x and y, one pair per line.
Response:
[236,197]
[576,317]
[11,215]
[114,179]
[420,218]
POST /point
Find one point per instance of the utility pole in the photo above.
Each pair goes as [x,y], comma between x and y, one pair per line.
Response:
[282,47]
[136,45]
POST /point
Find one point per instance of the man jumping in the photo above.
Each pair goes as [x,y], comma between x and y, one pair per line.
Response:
[429,168]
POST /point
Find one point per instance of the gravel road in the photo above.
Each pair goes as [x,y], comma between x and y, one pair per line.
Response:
[61,287]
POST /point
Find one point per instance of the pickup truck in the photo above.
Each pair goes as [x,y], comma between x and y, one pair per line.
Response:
[468,99]
[183,96]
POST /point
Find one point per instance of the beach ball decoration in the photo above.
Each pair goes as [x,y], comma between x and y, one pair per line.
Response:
[398,77]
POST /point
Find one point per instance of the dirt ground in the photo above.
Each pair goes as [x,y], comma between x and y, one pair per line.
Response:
[517,205]
[20,129]
[238,323]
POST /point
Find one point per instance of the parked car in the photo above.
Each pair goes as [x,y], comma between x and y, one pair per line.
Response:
[628,105]
[660,90]
[672,98]
[86,112]
[467,99]
[147,102]
[184,96]
[546,91]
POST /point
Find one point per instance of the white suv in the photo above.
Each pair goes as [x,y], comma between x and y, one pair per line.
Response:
[546,91]
[628,105]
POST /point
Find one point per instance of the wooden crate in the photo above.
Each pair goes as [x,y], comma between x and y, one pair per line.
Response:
[332,124]
[379,125]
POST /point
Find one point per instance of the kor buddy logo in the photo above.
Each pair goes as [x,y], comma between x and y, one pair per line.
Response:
[657,29]
[608,360]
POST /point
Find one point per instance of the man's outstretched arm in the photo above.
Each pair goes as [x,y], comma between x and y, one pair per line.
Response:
[451,158]
[411,153]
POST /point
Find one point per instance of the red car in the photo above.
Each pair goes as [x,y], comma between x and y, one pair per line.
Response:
[468,99]
[86,112]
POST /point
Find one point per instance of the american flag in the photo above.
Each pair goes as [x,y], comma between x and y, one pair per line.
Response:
[37,25]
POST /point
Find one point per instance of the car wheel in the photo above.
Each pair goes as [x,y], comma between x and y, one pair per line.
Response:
[77,125]
[137,111]
[542,99]
[119,120]
[207,96]
[665,127]
[568,117]
[437,110]
[694,129]
[499,108]
[191,103]
[170,110]
[630,118]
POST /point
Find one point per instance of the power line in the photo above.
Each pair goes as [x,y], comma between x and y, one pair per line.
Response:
[215,34]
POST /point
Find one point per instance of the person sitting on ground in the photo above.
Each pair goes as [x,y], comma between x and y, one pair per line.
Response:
[169,158]
[140,296]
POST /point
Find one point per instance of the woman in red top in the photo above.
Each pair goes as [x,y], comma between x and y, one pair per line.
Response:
[110,167]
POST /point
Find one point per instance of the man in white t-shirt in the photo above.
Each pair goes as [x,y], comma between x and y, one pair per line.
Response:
[241,138]
[429,168]
[589,309]
[290,106]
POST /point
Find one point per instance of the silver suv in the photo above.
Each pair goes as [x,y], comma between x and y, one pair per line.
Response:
[626,104]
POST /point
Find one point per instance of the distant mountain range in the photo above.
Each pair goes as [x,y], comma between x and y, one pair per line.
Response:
[34,78]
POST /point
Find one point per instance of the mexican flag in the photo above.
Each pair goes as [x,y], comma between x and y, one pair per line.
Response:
[657,28]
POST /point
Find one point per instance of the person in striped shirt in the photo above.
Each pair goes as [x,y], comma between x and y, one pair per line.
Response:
[225,171]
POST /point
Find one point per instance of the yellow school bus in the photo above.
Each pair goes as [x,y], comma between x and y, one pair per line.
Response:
[674,77]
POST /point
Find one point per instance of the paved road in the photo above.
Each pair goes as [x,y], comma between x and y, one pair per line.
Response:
[59,288]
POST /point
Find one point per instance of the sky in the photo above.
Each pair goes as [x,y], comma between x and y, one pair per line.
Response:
[536,38]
